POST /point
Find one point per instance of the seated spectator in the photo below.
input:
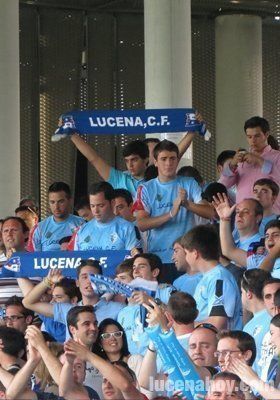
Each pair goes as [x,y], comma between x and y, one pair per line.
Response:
[46,235]
[203,345]
[132,317]
[252,301]
[266,192]
[82,207]
[217,295]
[112,345]
[123,204]
[190,172]
[28,215]
[14,235]
[12,349]
[261,161]
[225,385]
[29,201]
[188,281]
[105,231]
[16,315]
[247,219]
[124,271]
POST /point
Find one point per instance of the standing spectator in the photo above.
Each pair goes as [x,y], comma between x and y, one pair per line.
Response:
[47,234]
[261,161]
[17,316]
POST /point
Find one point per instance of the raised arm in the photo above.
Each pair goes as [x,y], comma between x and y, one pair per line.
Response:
[95,160]
[229,249]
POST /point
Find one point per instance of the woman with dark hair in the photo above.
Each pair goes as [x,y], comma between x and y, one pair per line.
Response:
[112,345]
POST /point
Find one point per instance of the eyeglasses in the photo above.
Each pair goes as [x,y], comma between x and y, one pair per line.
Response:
[107,336]
[206,325]
[224,353]
[13,318]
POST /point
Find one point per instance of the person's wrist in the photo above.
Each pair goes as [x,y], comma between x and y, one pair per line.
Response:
[225,219]
[47,281]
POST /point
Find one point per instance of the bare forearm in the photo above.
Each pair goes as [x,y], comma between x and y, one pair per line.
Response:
[148,369]
[20,381]
[185,143]
[203,210]
[66,381]
[52,363]
[5,377]
[25,285]
[147,223]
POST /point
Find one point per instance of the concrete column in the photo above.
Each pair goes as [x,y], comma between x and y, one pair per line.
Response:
[168,68]
[9,107]
[238,77]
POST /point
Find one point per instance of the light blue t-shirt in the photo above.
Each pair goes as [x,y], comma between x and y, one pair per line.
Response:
[187,283]
[124,180]
[103,309]
[257,327]
[244,243]
[47,234]
[157,198]
[217,294]
[265,220]
[117,234]
[130,319]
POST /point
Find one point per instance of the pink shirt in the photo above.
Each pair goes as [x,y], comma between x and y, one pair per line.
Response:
[246,174]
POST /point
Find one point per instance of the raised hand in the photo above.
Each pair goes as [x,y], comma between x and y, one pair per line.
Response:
[222,207]
[55,276]
[156,315]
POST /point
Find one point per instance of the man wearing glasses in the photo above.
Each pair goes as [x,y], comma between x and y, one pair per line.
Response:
[17,316]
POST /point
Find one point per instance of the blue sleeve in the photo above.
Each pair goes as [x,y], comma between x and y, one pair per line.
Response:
[132,238]
[36,239]
[117,178]
[60,311]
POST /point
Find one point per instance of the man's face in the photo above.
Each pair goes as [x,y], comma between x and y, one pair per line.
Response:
[60,205]
[142,269]
[202,346]
[59,296]
[101,208]
[269,295]
[256,139]
[124,277]
[228,346]
[13,236]
[16,319]
[79,369]
[136,165]
[264,195]
[111,392]
[122,209]
[245,217]
[224,389]
[272,237]
[167,162]
[83,282]
[86,330]
[191,259]
[179,257]
[85,213]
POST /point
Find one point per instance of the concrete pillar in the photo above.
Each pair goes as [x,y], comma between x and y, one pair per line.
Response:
[9,108]
[238,77]
[168,68]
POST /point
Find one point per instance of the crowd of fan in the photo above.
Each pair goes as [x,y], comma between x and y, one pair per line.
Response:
[211,249]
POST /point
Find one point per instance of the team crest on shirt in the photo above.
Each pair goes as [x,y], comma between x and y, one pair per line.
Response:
[113,237]
[159,197]
[257,330]
[87,239]
[48,234]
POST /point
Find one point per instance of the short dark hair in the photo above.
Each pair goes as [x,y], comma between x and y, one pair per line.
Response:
[124,194]
[82,202]
[154,260]
[273,143]
[277,298]
[102,187]
[270,183]
[12,340]
[245,342]
[137,147]
[276,320]
[224,156]
[212,190]
[151,140]
[125,266]
[151,172]
[89,263]
[270,281]
[69,287]
[178,240]
[190,172]
[228,376]
[19,220]
[165,145]
[256,122]
[203,238]
[73,314]
[60,187]
[275,223]
[182,307]
[253,280]
[17,301]
[25,208]
[101,328]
